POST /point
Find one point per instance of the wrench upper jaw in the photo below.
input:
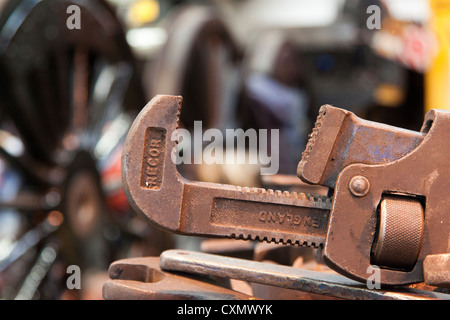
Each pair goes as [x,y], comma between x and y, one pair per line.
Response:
[421,174]
[151,181]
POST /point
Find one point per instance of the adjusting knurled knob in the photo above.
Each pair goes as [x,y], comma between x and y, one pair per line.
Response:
[401,223]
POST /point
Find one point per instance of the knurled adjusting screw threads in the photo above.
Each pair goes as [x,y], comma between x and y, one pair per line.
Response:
[359,186]
[400,231]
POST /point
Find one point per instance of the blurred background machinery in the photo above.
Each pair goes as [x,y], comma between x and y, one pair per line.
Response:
[68,97]
[67,100]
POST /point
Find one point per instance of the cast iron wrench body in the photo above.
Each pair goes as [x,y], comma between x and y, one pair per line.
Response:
[388,185]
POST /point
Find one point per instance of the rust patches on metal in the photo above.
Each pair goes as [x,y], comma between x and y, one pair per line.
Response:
[267,216]
[436,270]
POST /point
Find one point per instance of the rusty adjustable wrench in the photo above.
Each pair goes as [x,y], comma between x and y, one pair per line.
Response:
[379,213]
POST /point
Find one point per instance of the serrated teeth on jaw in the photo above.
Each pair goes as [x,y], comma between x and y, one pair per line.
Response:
[313,135]
[286,194]
[269,239]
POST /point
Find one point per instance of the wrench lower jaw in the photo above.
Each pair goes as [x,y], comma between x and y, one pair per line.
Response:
[151,182]
[156,190]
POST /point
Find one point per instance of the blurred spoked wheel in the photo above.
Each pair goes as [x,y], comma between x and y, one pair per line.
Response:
[200,62]
[67,99]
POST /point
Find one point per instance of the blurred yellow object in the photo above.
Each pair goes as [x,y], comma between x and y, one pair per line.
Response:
[389,95]
[143,11]
[437,79]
